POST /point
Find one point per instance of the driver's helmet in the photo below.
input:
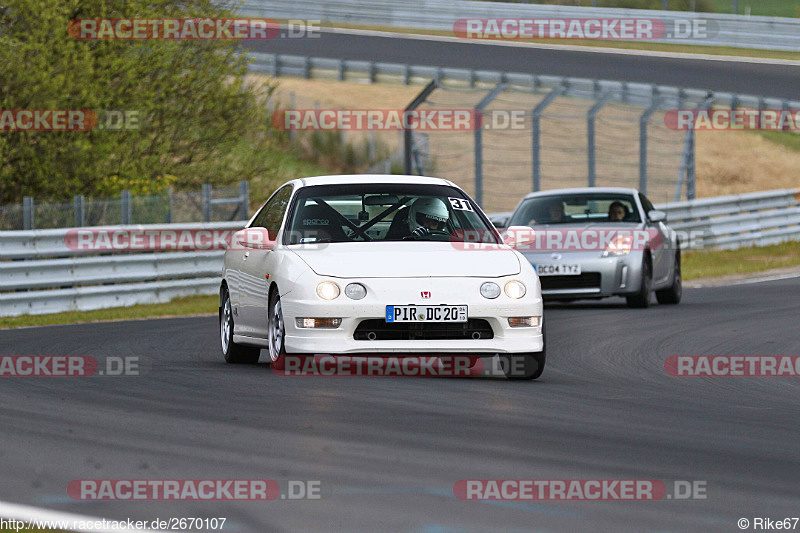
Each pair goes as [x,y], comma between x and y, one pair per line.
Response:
[427,212]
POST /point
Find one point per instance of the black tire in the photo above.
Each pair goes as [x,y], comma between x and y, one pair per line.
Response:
[233,353]
[525,366]
[641,299]
[672,295]
[276,332]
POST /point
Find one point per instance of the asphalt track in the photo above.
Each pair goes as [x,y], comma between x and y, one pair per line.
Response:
[771,80]
[388,450]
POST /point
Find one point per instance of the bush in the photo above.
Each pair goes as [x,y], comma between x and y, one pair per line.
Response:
[200,122]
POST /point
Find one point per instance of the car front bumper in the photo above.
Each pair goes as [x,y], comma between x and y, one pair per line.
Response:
[600,276]
[303,303]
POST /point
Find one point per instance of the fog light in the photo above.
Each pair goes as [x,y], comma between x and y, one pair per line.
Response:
[318,322]
[523,321]
[490,290]
[355,291]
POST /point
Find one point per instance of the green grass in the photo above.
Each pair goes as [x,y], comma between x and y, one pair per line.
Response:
[767,8]
[189,306]
[714,263]
[787,139]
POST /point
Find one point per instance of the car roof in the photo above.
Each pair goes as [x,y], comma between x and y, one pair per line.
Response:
[582,190]
[345,179]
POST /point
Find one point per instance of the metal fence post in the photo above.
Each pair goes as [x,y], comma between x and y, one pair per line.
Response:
[206,202]
[77,203]
[643,120]
[371,146]
[590,134]
[244,200]
[307,68]
[478,131]
[340,70]
[292,106]
[407,138]
[688,156]
[125,207]
[537,133]
[373,72]
[27,213]
[171,200]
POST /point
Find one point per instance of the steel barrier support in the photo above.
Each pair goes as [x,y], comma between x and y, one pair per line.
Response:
[537,133]
[590,133]
[407,138]
[478,132]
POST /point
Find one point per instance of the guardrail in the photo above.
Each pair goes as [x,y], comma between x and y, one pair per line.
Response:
[642,94]
[766,33]
[41,274]
[47,276]
[728,222]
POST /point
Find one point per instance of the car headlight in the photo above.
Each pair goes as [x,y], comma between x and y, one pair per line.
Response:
[515,289]
[620,245]
[490,290]
[328,290]
[355,291]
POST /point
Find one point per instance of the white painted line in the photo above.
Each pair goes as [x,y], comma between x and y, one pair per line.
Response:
[565,47]
[769,278]
[711,285]
[35,514]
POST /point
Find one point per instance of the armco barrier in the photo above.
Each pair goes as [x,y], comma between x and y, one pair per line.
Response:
[767,33]
[40,274]
[728,222]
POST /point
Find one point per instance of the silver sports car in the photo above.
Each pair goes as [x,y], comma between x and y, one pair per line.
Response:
[599,242]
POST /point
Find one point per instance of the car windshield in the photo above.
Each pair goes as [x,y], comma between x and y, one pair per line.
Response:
[576,209]
[385,212]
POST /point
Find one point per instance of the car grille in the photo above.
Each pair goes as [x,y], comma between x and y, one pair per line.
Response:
[587,280]
[380,330]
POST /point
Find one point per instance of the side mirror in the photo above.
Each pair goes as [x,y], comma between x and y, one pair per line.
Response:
[255,239]
[657,216]
[500,220]
[518,236]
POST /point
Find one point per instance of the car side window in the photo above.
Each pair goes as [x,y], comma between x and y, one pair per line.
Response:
[271,215]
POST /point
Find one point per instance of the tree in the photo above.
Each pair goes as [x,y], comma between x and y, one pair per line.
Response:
[199,121]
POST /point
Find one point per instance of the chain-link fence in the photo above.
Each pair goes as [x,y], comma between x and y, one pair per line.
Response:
[208,205]
[537,141]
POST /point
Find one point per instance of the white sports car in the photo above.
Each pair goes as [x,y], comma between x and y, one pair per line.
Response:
[377,264]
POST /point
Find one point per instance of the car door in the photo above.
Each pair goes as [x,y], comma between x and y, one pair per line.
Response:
[257,263]
[660,253]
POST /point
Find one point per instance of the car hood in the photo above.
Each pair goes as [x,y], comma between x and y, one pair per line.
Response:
[407,259]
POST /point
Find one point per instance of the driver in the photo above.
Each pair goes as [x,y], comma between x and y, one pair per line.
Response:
[426,215]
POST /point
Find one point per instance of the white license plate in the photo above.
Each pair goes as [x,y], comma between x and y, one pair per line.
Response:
[558,270]
[426,313]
